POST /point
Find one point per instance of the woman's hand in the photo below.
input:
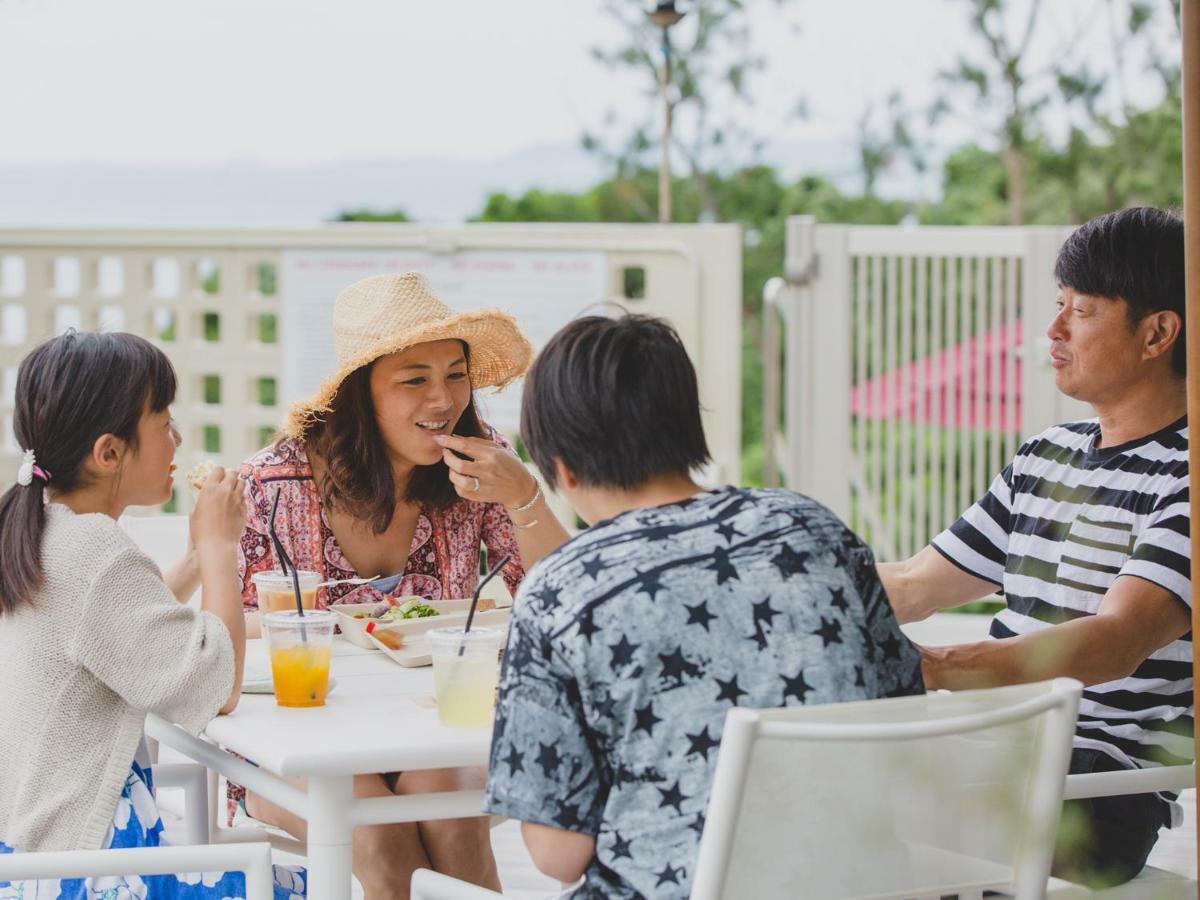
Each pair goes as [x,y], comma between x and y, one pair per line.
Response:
[493,474]
[220,510]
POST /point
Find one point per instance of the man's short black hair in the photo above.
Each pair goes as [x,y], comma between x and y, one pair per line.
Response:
[1135,255]
[616,400]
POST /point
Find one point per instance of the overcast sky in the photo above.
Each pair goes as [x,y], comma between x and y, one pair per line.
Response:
[285,82]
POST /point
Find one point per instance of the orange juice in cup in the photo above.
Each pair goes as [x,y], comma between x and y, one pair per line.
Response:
[277,592]
[301,647]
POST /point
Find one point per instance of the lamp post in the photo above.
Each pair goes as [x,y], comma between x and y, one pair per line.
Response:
[664,15]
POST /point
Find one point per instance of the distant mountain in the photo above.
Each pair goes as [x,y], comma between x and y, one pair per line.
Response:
[258,194]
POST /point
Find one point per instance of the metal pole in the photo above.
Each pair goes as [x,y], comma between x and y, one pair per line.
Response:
[1191,213]
[664,166]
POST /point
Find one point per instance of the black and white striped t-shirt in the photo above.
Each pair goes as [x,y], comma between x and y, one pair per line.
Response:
[1055,530]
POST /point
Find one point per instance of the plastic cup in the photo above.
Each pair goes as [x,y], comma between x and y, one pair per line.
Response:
[300,650]
[465,684]
[276,592]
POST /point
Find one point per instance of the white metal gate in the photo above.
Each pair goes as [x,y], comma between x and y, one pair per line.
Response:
[904,365]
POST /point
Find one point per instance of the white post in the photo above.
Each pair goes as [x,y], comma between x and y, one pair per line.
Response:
[799,270]
[329,832]
[772,292]
[828,427]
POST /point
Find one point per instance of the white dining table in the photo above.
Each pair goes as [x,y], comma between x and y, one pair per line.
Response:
[379,717]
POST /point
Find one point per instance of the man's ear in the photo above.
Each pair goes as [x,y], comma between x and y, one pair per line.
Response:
[565,476]
[108,455]
[1163,329]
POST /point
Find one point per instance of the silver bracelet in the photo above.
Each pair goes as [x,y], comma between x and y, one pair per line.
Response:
[537,495]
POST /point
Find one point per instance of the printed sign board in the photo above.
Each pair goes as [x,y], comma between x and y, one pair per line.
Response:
[543,290]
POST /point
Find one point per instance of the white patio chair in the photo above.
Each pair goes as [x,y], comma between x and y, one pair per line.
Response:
[924,796]
[1151,883]
[252,859]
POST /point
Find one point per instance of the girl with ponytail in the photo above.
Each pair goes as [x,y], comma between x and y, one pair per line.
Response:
[92,635]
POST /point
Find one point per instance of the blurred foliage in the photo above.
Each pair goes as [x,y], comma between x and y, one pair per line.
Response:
[371,215]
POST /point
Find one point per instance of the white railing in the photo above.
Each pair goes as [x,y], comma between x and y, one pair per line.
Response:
[227,307]
[903,366]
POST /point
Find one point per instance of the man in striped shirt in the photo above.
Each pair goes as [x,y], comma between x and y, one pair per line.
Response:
[1086,535]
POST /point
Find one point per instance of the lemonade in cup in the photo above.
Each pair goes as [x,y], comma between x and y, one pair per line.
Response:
[300,650]
[466,667]
[276,591]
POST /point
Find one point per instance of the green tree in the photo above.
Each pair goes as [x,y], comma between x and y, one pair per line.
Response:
[713,64]
[371,215]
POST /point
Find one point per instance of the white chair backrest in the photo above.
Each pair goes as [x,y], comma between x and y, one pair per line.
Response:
[907,797]
[163,538]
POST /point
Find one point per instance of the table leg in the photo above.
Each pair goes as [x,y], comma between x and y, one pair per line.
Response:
[329,834]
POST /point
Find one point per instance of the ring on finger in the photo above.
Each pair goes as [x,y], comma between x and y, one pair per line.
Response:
[475,489]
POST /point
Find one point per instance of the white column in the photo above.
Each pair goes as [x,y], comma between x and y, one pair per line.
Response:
[329,833]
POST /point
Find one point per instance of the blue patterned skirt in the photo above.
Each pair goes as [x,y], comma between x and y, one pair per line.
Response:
[136,823]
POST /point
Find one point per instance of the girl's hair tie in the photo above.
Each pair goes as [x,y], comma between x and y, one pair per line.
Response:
[29,468]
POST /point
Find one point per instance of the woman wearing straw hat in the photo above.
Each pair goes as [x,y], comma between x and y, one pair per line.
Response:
[368,485]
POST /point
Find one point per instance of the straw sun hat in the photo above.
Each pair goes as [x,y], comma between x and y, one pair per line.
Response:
[387,313]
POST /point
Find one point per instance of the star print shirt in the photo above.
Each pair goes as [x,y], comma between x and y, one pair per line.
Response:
[630,643]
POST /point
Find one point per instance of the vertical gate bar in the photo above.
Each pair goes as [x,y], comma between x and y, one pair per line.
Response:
[875,481]
[1012,424]
[891,501]
[861,421]
[939,431]
[999,344]
[921,409]
[979,419]
[904,387]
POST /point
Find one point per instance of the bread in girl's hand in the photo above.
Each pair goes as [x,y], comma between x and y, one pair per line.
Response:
[200,472]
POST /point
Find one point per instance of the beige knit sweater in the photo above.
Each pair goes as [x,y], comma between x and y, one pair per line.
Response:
[102,643]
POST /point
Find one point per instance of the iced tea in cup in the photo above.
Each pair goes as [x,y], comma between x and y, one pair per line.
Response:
[300,649]
[276,592]
[465,682]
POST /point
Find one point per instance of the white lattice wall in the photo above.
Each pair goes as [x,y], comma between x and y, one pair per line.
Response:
[210,299]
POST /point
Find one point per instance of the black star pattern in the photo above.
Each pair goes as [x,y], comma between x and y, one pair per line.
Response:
[699,615]
[549,597]
[839,558]
[594,566]
[796,686]
[722,566]
[868,640]
[515,760]
[858,677]
[675,666]
[672,796]
[891,647]
[837,599]
[789,562]
[622,652]
[604,705]
[668,874]
[702,743]
[587,625]
[729,690]
[728,531]
[830,631]
[763,612]
[620,847]
[568,816]
[698,824]
[646,719]
[548,758]
[648,583]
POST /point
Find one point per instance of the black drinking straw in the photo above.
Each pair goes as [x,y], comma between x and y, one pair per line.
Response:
[475,599]
[285,563]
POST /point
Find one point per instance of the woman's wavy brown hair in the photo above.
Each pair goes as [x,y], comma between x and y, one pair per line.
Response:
[358,474]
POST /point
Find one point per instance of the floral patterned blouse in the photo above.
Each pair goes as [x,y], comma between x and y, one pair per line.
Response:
[443,562]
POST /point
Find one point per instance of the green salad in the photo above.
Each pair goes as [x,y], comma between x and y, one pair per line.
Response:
[410,608]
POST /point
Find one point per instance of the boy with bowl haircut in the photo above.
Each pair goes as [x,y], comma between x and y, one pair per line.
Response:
[631,642]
